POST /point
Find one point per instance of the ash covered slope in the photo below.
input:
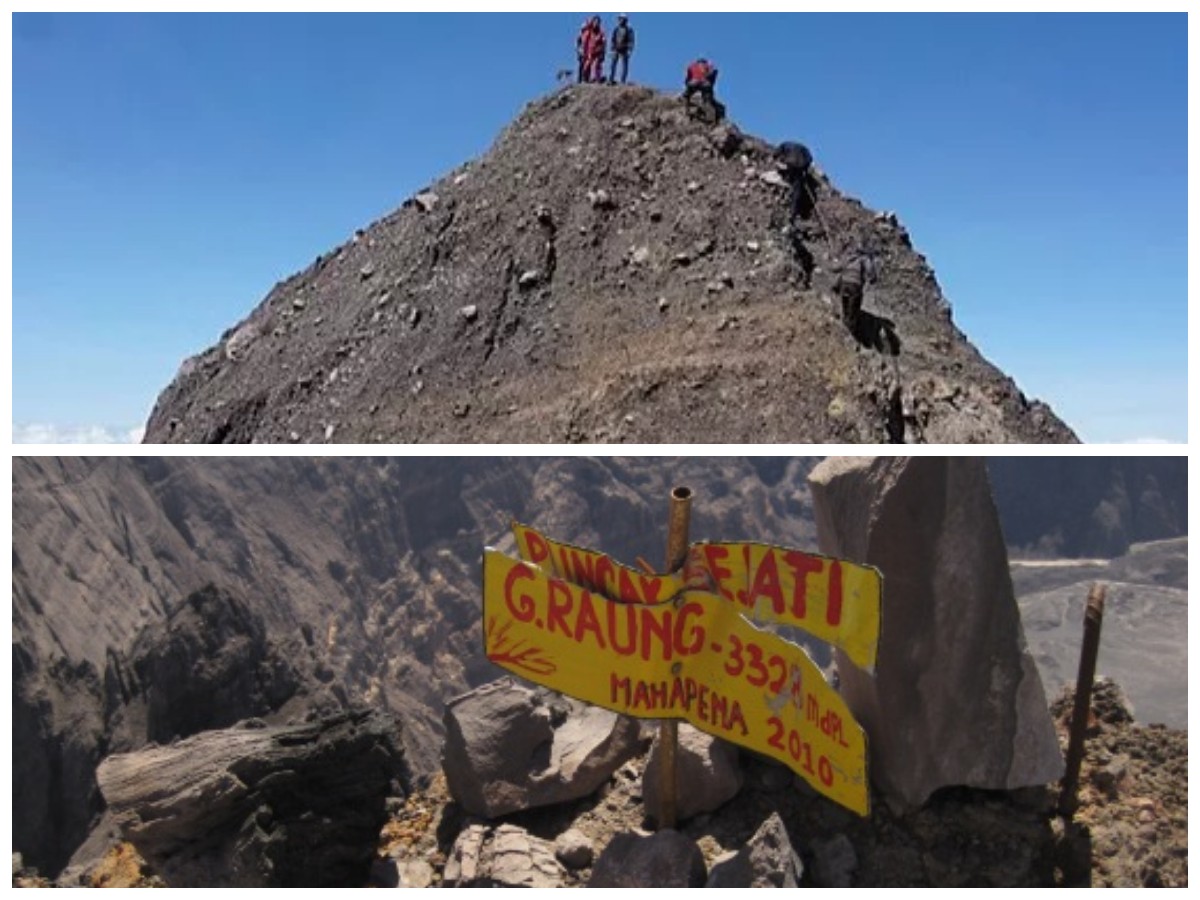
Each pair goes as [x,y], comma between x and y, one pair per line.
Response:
[610,271]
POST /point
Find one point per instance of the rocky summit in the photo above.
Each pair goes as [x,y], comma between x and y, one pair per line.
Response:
[612,270]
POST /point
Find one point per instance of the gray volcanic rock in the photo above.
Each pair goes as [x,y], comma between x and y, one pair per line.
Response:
[603,249]
[256,806]
[506,856]
[665,859]
[509,748]
[766,861]
[956,698]
[707,774]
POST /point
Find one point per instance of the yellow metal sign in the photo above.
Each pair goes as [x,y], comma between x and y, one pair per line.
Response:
[833,600]
[694,658]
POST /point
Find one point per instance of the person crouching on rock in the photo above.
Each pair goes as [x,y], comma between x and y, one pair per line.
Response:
[622,46]
[701,78]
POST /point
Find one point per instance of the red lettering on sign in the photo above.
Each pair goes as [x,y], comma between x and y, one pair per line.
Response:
[650,588]
[587,621]
[833,612]
[618,687]
[537,547]
[604,577]
[654,627]
[629,593]
[521,606]
[766,584]
[560,604]
[696,634]
[581,571]
[801,565]
[714,555]
[630,644]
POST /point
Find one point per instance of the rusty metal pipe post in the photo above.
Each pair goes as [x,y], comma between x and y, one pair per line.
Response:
[1093,617]
[668,731]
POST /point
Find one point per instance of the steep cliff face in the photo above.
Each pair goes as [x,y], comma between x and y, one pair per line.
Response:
[611,270]
[1095,506]
[153,598]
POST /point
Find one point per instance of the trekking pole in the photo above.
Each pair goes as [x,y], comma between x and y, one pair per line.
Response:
[668,730]
[1093,617]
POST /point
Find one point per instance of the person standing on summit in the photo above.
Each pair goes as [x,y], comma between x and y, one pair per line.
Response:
[590,48]
[622,45]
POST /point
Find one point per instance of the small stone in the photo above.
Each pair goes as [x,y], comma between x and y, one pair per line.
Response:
[299,303]
[459,179]
[543,214]
[714,287]
[461,410]
[681,259]
[753,246]
[384,299]
[663,305]
[574,849]
[329,429]
[726,279]
[656,215]
[600,199]
[640,256]
[704,247]
[693,186]
[366,272]
[418,387]
[529,279]
[772,178]
[414,317]
[626,122]
[426,201]
[470,313]
[415,873]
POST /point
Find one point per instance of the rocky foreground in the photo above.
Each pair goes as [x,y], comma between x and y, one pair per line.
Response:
[761,825]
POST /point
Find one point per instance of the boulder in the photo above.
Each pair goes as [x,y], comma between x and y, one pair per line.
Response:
[766,861]
[834,862]
[506,856]
[574,849]
[296,805]
[956,698]
[665,859]
[510,748]
[707,774]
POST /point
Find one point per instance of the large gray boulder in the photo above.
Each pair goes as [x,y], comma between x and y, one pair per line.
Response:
[707,774]
[258,806]
[505,856]
[665,859]
[509,748]
[766,861]
[956,698]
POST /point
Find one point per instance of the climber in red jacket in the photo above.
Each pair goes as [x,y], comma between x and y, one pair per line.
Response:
[701,78]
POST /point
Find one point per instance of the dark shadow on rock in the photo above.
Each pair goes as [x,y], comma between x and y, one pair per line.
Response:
[877,333]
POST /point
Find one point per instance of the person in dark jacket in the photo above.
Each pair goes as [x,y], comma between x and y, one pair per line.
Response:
[623,40]
[853,276]
[796,160]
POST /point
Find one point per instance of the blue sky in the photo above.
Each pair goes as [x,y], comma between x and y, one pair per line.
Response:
[169,169]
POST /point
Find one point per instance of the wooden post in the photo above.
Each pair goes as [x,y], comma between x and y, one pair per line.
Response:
[1093,617]
[668,731]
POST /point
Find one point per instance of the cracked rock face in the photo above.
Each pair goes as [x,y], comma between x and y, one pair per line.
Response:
[956,698]
[259,806]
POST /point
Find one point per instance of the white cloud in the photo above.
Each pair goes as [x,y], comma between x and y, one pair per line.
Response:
[37,433]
